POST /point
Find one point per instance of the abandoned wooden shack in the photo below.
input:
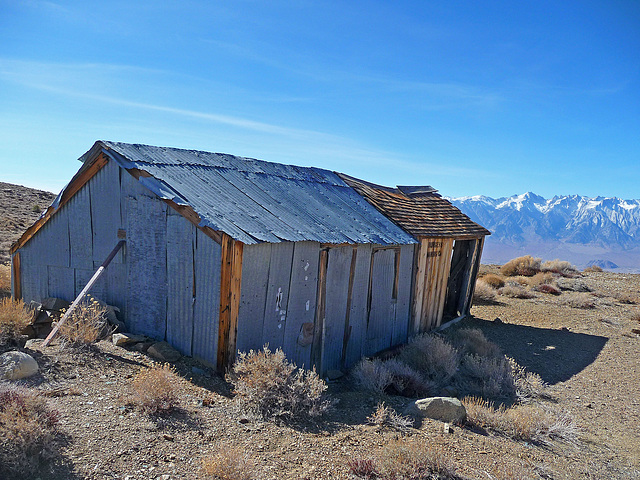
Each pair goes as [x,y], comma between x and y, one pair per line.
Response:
[226,254]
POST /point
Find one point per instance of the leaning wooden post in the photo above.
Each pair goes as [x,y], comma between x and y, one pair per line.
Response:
[84,291]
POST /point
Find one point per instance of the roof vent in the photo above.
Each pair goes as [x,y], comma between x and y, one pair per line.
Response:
[414,191]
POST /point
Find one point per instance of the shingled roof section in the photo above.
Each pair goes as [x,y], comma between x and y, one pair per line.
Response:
[417,210]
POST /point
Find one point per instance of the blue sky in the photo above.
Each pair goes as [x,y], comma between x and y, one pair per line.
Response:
[492,98]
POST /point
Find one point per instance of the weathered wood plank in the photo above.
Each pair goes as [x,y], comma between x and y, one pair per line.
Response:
[180,239]
[403,305]
[275,311]
[16,284]
[230,285]
[443,278]
[61,282]
[318,330]
[473,275]
[358,307]
[419,287]
[302,301]
[255,279]
[147,269]
[80,233]
[382,308]
[105,211]
[206,309]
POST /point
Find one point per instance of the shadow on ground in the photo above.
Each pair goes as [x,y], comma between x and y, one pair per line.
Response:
[555,355]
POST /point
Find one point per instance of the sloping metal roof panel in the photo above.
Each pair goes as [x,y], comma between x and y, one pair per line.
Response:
[256,201]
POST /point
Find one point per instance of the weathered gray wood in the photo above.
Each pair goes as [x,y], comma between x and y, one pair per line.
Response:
[382,305]
[115,292]
[61,282]
[180,237]
[275,309]
[471,281]
[147,269]
[302,300]
[82,277]
[206,308]
[335,307]
[253,295]
[403,303]
[358,310]
[105,211]
[80,234]
[34,275]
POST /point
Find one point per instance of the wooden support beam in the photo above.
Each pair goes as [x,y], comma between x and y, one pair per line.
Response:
[17,279]
[318,331]
[230,285]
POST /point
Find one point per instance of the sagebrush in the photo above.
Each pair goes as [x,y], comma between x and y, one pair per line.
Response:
[228,463]
[14,318]
[496,281]
[561,267]
[385,416]
[266,383]
[5,279]
[432,356]
[516,291]
[578,300]
[483,293]
[526,265]
[156,389]
[87,323]
[593,269]
[27,432]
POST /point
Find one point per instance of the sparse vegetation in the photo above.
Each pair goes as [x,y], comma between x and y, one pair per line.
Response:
[516,291]
[36,208]
[156,389]
[5,280]
[14,318]
[472,341]
[433,357]
[86,325]
[561,267]
[267,384]
[526,266]
[593,269]
[496,281]
[627,299]
[27,430]
[483,293]
[228,463]
[578,300]
[549,289]
[385,416]
[540,278]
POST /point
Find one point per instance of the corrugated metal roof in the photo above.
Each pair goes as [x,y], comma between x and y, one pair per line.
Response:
[256,201]
[418,210]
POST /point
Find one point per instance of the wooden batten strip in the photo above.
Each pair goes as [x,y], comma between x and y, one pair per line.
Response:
[17,280]
[419,287]
[318,331]
[230,285]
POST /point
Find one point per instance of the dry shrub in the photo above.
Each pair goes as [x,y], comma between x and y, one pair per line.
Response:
[626,299]
[407,459]
[156,389]
[363,468]
[472,341]
[521,422]
[228,463]
[549,289]
[5,279]
[516,292]
[27,430]
[86,325]
[432,356]
[496,281]
[267,384]
[541,278]
[635,317]
[529,385]
[392,377]
[526,265]
[593,269]
[578,300]
[486,377]
[371,375]
[387,417]
[561,267]
[14,318]
[483,293]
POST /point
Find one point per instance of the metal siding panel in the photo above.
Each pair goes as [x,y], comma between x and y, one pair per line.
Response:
[302,300]
[61,283]
[53,240]
[358,314]
[338,269]
[146,266]
[206,308]
[116,292]
[383,306]
[82,277]
[253,294]
[180,237]
[34,274]
[105,211]
[275,309]
[403,306]
[80,233]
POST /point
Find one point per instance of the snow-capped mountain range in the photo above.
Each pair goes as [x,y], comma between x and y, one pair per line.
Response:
[582,229]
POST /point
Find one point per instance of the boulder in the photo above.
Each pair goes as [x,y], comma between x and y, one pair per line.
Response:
[120,339]
[164,352]
[55,304]
[17,365]
[445,409]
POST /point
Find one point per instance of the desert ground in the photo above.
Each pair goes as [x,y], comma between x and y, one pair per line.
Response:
[587,357]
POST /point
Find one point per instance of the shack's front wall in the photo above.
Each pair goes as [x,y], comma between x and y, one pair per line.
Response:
[165,281]
[325,305]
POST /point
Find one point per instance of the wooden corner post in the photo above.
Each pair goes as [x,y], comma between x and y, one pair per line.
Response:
[230,284]
[15,271]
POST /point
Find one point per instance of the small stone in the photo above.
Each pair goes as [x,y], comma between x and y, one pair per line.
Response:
[55,304]
[120,339]
[17,365]
[447,428]
[167,437]
[33,342]
[244,420]
[334,374]
[636,331]
[445,409]
[164,352]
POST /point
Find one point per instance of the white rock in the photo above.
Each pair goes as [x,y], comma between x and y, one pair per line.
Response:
[446,409]
[17,365]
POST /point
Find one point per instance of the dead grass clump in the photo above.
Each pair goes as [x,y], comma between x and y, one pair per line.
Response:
[516,292]
[472,341]
[406,459]
[496,281]
[156,389]
[14,318]
[549,289]
[626,299]
[526,266]
[387,417]
[541,278]
[86,324]
[561,267]
[5,279]
[578,300]
[483,293]
[593,269]
[490,378]
[228,463]
[268,384]
[432,356]
[27,430]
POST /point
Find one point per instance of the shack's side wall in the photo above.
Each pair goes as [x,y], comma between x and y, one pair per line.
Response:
[365,300]
[165,281]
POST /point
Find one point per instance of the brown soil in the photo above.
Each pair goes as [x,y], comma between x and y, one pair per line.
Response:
[589,358]
[19,208]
